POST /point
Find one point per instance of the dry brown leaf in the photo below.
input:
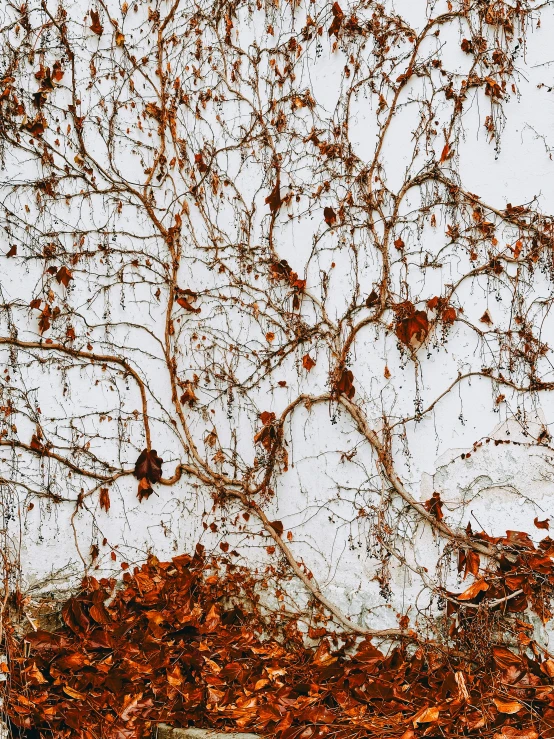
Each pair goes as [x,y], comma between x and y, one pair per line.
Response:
[72,693]
[509,732]
[504,706]
[96,26]
[105,499]
[426,716]
[486,318]
[474,589]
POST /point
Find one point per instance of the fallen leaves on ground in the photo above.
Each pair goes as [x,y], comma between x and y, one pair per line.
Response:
[182,642]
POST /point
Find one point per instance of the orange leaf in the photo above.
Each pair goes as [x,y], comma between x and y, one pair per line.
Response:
[268,434]
[477,587]
[96,26]
[267,417]
[330,216]
[509,732]
[475,720]
[415,326]
[307,362]
[323,656]
[278,527]
[505,659]
[486,318]
[72,661]
[64,276]
[434,506]
[72,693]
[149,466]
[184,303]
[274,198]
[280,270]
[426,716]
[507,706]
[372,299]
[189,396]
[44,320]
[37,126]
[338,17]
[57,71]
[32,673]
[105,499]
[156,112]
[449,315]
[345,384]
[472,564]
[542,524]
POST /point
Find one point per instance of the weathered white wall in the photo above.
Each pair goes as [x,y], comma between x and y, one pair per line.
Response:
[319,499]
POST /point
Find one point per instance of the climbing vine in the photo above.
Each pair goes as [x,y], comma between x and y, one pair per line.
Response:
[244,286]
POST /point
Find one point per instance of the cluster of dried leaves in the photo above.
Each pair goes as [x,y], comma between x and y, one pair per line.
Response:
[173,644]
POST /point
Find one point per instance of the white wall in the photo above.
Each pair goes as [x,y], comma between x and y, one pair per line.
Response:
[329,499]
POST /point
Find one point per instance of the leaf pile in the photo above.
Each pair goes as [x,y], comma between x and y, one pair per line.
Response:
[170,646]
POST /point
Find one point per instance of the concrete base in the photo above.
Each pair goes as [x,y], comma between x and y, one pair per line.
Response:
[167,732]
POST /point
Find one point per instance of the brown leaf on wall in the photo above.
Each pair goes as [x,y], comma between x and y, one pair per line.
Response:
[149,466]
[96,26]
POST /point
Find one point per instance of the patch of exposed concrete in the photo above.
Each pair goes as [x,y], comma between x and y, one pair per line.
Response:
[168,732]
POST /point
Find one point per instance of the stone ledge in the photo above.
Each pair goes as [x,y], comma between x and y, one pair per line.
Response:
[163,731]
